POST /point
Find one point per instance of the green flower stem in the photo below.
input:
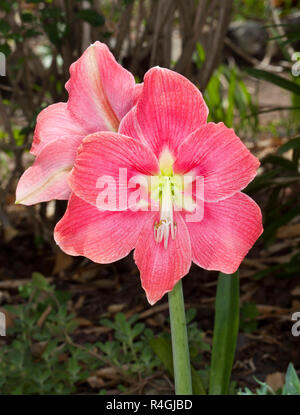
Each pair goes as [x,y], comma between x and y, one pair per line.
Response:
[181,355]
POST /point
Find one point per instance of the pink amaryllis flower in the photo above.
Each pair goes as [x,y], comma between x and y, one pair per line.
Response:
[164,137]
[101,92]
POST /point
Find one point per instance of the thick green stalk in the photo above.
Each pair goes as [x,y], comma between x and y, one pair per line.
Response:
[180,348]
[225,333]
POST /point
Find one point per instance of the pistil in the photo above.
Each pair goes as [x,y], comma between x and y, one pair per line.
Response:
[166,225]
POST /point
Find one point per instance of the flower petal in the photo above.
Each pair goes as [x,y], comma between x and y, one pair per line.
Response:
[227,232]
[169,109]
[217,154]
[103,237]
[162,268]
[53,123]
[137,92]
[115,158]
[47,178]
[100,90]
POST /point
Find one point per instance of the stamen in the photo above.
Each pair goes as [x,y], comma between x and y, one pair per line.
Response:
[167,188]
[162,228]
[162,231]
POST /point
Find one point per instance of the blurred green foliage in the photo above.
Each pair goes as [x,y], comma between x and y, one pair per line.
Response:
[230,101]
[250,9]
[280,177]
[42,17]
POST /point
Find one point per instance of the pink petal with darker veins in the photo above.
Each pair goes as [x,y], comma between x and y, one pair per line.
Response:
[100,90]
[169,109]
[102,155]
[137,92]
[54,123]
[103,237]
[162,268]
[216,153]
[47,179]
[227,232]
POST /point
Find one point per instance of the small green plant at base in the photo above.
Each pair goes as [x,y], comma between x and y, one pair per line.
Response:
[39,356]
[291,386]
[38,360]
[130,348]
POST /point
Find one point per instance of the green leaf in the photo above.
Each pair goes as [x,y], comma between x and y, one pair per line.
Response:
[231,94]
[138,329]
[199,55]
[287,269]
[280,161]
[4,27]
[17,37]
[91,16]
[6,5]
[225,333]
[248,322]
[163,349]
[262,181]
[190,314]
[107,323]
[287,38]
[53,12]
[197,384]
[292,382]
[5,48]
[40,282]
[292,144]
[56,32]
[274,79]
[27,17]
[282,220]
